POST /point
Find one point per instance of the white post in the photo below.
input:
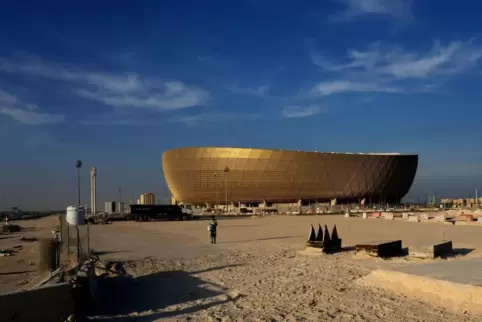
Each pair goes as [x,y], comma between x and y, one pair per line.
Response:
[93,192]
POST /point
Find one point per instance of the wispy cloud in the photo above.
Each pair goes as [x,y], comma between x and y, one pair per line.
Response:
[301,111]
[259,91]
[11,106]
[117,118]
[215,117]
[382,68]
[400,9]
[118,90]
[340,86]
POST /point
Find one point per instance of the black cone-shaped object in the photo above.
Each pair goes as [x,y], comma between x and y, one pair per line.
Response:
[319,235]
[312,236]
[326,238]
[334,233]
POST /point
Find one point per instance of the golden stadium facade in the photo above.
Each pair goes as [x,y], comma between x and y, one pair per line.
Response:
[215,174]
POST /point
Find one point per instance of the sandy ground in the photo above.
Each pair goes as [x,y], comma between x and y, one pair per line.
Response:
[20,270]
[258,271]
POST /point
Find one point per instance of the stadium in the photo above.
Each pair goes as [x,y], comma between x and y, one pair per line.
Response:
[235,176]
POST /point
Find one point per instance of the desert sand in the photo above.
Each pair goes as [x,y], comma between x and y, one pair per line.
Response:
[260,271]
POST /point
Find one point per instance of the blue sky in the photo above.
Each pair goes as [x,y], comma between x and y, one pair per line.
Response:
[116,83]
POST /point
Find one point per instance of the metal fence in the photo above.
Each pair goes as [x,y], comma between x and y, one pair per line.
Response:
[74,241]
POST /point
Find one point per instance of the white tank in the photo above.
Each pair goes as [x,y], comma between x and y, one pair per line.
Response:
[75,215]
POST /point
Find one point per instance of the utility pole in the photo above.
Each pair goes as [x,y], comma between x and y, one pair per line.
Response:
[121,205]
[93,191]
[78,165]
[226,170]
[217,188]
[476,198]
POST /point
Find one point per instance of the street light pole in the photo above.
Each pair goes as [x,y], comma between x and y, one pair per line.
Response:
[217,188]
[78,165]
[226,170]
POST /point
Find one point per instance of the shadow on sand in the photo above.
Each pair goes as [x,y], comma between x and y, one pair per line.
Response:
[462,251]
[128,296]
[258,239]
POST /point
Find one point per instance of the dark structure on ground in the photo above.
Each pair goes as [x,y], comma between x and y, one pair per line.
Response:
[323,240]
[148,212]
[237,175]
[383,249]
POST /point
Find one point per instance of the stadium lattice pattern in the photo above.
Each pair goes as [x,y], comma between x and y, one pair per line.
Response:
[199,175]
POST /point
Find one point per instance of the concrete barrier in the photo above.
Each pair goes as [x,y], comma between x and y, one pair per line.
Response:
[388,216]
[440,217]
[424,217]
[49,303]
[414,218]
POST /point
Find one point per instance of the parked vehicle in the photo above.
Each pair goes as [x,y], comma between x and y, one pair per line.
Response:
[152,212]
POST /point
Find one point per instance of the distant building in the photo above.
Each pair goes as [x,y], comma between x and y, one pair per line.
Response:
[123,208]
[148,198]
[110,207]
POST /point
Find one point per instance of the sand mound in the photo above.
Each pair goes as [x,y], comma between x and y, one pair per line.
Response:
[461,298]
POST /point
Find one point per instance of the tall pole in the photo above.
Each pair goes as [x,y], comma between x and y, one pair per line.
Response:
[78,165]
[93,190]
[476,198]
[121,205]
[217,188]
[226,170]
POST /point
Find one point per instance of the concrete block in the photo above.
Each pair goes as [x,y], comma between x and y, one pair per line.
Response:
[347,215]
[468,218]
[414,218]
[424,217]
[443,249]
[479,220]
[364,215]
[381,248]
[440,217]
[405,215]
[388,216]
[439,249]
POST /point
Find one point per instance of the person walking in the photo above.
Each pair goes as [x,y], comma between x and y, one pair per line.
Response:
[212,228]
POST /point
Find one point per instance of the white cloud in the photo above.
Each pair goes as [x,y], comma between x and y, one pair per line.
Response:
[299,111]
[395,62]
[174,95]
[25,113]
[339,86]
[354,8]
[118,90]
[381,68]
[215,117]
[260,91]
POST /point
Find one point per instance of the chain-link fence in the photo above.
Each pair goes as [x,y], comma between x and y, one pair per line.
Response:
[74,241]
